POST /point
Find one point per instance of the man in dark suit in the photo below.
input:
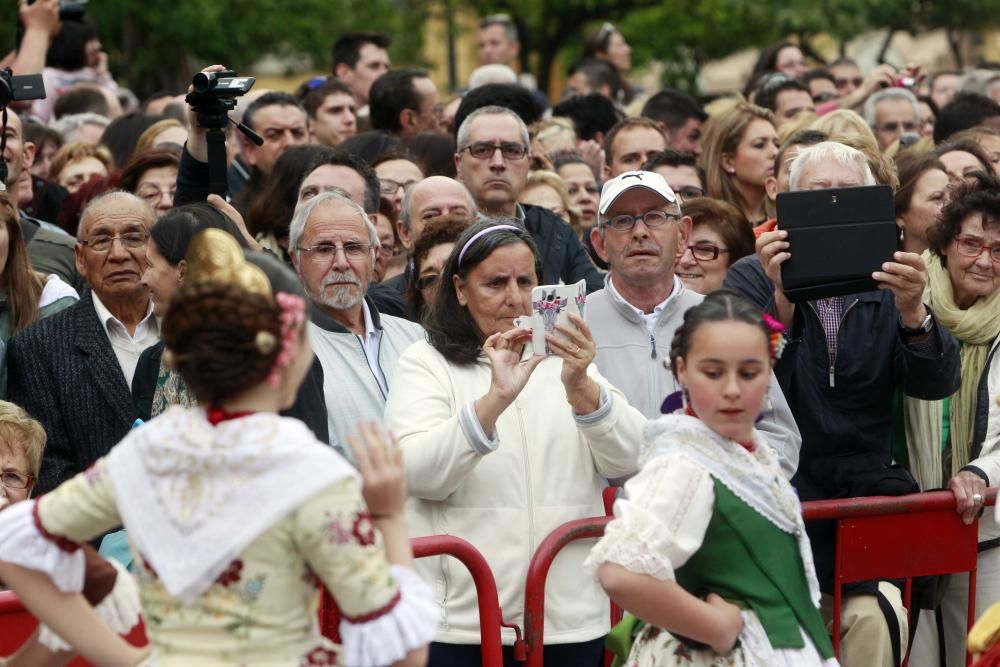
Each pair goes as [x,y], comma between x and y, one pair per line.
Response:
[72,371]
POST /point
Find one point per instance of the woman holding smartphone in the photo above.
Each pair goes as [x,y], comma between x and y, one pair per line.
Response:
[502,446]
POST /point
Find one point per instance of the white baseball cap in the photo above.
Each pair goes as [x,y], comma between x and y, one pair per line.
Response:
[622,183]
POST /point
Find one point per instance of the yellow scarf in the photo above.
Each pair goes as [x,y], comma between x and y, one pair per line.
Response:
[975,328]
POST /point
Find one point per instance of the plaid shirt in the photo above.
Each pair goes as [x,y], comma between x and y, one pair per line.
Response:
[830,312]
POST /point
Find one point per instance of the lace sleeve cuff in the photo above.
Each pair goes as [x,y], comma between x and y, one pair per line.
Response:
[632,548]
[119,610]
[26,543]
[408,622]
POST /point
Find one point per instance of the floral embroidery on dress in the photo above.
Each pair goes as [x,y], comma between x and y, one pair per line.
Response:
[339,534]
[320,656]
[231,575]
[364,530]
[170,390]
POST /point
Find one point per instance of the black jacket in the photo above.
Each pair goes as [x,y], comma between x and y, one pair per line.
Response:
[63,371]
[845,413]
[563,255]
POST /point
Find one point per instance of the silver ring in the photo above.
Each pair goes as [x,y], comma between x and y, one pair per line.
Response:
[977,498]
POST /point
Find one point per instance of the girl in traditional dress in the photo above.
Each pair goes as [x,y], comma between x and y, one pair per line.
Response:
[235,515]
[708,547]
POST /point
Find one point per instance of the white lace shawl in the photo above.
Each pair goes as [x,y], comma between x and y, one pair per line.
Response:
[755,478]
[192,496]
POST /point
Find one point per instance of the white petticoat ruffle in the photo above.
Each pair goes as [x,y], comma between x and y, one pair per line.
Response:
[119,610]
[23,544]
[410,624]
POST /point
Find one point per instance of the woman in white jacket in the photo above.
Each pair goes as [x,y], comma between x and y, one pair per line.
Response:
[502,446]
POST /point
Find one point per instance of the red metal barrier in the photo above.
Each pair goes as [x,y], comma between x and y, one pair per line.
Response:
[17,624]
[538,570]
[486,588]
[892,534]
[891,529]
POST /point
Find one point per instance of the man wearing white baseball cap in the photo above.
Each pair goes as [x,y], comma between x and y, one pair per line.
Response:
[641,232]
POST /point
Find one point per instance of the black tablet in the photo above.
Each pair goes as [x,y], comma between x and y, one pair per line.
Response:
[837,238]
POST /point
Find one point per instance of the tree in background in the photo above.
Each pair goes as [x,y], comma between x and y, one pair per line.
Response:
[159,44]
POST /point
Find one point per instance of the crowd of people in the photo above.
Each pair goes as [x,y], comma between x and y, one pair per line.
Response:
[230,403]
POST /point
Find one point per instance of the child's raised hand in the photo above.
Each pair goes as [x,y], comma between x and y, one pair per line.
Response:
[728,626]
[380,462]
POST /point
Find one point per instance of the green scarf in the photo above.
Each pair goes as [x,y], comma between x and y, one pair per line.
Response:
[975,328]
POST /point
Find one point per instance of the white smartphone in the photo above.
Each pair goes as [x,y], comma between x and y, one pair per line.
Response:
[550,305]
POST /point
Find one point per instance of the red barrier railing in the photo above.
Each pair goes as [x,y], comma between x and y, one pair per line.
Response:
[486,588]
[892,533]
[868,525]
[482,576]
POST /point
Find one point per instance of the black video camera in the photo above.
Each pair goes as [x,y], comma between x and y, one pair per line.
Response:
[213,95]
[20,88]
[70,10]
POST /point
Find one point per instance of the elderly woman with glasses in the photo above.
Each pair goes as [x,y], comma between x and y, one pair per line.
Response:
[503,444]
[22,441]
[720,235]
[956,442]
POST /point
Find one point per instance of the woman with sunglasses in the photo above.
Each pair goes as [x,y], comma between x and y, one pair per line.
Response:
[954,442]
[719,237]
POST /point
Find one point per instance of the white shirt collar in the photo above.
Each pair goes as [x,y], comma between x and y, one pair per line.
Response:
[106,317]
[369,323]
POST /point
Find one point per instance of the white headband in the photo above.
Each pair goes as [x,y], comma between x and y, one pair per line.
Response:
[478,234]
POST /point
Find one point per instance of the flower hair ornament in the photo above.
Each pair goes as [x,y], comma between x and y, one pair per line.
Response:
[777,340]
[292,318]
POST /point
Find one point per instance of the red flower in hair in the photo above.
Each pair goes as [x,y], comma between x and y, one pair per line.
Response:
[363,529]
[231,575]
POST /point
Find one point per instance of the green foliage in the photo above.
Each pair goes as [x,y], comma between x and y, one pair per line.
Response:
[159,43]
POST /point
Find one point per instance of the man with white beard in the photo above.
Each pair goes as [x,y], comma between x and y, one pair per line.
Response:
[333,244]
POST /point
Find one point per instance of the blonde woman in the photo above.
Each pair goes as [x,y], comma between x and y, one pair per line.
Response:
[75,164]
[738,154]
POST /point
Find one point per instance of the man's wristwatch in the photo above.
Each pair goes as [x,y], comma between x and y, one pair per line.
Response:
[924,328]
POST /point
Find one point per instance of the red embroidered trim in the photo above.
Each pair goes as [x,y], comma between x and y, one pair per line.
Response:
[63,543]
[371,616]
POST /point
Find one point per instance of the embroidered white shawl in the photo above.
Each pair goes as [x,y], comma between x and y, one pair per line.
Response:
[755,478]
[192,496]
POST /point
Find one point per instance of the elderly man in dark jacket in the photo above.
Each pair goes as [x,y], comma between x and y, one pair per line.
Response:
[844,359]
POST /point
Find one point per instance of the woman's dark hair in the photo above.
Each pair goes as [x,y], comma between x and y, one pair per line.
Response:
[451,330]
[910,167]
[437,231]
[966,146]
[726,221]
[173,233]
[722,305]
[68,49]
[123,133]
[211,331]
[270,210]
[767,62]
[981,197]
[143,162]
[434,153]
[22,286]
[369,145]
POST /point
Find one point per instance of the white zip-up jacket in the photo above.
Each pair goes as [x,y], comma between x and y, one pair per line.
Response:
[504,492]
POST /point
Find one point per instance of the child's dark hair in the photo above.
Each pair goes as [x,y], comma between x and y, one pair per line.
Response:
[722,305]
